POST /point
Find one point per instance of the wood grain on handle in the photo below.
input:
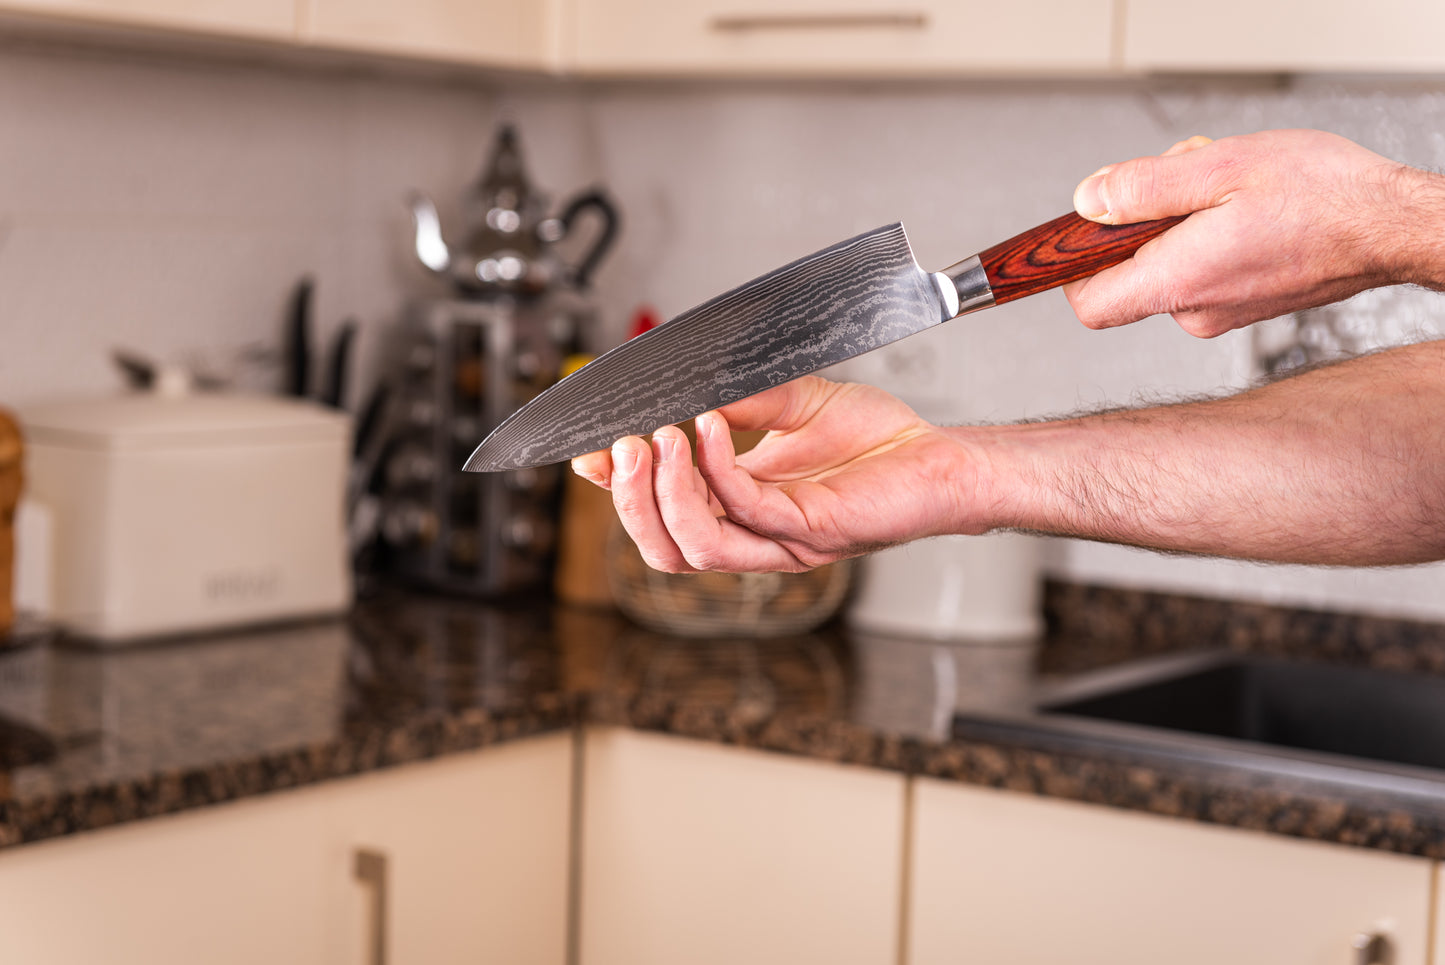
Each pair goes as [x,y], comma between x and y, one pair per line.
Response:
[1063,250]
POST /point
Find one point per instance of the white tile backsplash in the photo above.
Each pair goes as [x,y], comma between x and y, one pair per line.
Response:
[170,205]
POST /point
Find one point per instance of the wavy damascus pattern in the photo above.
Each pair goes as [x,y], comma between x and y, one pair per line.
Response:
[840,302]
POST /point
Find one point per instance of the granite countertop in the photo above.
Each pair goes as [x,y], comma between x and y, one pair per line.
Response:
[93,738]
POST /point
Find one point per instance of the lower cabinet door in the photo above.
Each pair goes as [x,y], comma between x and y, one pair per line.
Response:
[232,885]
[1005,877]
[470,851]
[706,855]
[462,860]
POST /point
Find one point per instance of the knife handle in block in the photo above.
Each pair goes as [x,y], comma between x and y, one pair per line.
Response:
[1063,250]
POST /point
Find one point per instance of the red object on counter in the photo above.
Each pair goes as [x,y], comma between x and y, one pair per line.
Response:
[645,319]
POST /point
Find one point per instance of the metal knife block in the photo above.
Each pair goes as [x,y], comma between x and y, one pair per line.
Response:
[460,368]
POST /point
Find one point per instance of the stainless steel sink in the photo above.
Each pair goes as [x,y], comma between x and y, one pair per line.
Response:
[1374,715]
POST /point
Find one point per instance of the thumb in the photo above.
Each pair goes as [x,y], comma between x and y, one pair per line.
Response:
[782,407]
[1181,181]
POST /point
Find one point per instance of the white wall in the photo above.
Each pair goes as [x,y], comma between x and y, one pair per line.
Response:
[169,206]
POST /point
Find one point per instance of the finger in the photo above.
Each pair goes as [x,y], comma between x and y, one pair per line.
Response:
[781,407]
[632,495]
[741,496]
[797,437]
[702,540]
[706,540]
[1192,179]
[595,467]
[1124,293]
[1188,144]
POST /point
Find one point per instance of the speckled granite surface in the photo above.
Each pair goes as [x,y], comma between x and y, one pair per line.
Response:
[1099,625]
[127,734]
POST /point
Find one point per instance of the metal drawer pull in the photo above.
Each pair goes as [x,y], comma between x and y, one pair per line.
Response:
[743,23]
[369,868]
[1373,948]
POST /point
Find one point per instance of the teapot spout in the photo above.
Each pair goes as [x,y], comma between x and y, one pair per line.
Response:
[431,250]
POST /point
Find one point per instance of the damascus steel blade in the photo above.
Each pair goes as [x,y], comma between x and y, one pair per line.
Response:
[830,306]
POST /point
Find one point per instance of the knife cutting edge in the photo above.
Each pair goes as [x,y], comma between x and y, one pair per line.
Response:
[833,305]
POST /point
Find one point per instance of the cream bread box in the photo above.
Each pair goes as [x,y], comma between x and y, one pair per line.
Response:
[178,514]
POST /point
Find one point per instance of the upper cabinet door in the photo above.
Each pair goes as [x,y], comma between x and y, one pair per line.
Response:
[838,37]
[516,34]
[269,19]
[1285,35]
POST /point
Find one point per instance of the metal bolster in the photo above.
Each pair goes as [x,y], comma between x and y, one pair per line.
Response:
[970,283]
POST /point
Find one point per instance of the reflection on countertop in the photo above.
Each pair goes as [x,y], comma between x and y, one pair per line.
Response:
[119,714]
[159,728]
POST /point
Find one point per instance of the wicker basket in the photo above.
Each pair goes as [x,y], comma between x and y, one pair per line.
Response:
[723,604]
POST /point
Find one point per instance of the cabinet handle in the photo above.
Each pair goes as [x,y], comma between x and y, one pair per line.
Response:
[1373,948]
[744,23]
[369,868]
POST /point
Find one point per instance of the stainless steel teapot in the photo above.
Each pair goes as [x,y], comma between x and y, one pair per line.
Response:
[510,239]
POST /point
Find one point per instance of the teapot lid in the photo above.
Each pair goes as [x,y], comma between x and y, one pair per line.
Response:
[505,205]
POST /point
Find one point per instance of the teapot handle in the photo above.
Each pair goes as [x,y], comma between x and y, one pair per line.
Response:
[582,274]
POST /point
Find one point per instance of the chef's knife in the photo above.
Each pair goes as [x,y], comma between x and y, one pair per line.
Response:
[838,303]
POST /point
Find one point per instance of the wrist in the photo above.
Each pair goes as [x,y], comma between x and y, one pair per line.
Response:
[1418,254]
[986,491]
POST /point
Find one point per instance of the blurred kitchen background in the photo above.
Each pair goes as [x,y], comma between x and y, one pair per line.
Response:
[235,592]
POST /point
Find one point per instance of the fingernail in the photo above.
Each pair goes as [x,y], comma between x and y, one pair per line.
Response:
[624,460]
[667,446]
[1089,198]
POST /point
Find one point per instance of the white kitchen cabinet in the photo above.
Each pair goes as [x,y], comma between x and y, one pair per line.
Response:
[712,855]
[837,37]
[1004,877]
[1285,35]
[234,885]
[475,847]
[1439,915]
[266,19]
[477,852]
[502,33]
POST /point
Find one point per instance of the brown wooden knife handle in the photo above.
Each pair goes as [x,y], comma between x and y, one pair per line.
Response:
[1063,250]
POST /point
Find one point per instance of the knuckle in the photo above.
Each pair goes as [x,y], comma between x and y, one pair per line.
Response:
[628,503]
[1090,309]
[1130,186]
[1201,324]
[705,559]
[662,561]
[1222,177]
[810,557]
[1091,317]
[698,550]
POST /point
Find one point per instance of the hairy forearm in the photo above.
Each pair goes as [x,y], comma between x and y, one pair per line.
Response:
[1418,236]
[1340,465]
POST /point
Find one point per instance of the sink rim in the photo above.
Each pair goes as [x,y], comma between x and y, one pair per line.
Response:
[1408,785]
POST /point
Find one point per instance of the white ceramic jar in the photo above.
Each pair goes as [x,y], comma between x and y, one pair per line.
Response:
[957,588]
